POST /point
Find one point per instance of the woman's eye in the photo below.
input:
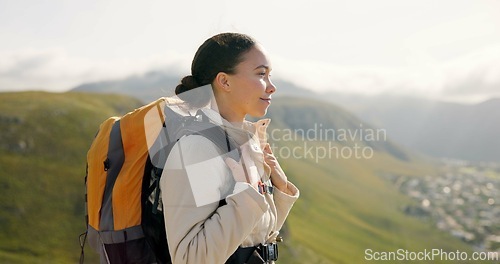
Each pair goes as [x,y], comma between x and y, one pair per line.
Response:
[262,73]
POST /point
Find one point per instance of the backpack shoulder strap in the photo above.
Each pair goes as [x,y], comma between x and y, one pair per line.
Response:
[201,125]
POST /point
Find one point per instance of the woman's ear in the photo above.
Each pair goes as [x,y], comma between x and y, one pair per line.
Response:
[222,81]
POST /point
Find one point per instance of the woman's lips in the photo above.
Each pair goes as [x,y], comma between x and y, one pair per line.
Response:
[266,99]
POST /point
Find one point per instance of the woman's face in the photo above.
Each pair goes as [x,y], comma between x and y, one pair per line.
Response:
[251,86]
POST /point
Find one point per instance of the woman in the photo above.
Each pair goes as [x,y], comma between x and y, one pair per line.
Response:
[255,190]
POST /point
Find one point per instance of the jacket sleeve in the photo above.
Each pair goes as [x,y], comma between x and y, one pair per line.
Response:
[284,203]
[198,231]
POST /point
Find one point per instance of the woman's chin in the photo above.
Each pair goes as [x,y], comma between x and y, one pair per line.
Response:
[258,114]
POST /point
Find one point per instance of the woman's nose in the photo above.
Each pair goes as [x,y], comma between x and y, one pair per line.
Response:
[271,88]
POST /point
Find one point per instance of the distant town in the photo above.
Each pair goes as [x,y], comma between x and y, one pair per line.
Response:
[464,200]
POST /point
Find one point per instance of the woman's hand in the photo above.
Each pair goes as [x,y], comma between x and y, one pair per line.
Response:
[278,177]
[246,163]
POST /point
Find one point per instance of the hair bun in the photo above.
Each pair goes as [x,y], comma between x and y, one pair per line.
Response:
[190,82]
[187,83]
[196,97]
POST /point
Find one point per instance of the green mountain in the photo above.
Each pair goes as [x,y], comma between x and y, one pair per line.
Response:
[439,129]
[146,87]
[345,208]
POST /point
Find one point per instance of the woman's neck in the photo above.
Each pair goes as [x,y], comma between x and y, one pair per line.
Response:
[227,113]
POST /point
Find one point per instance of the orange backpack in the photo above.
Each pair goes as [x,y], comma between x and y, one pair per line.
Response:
[124,164]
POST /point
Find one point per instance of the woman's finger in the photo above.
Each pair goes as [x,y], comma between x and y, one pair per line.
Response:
[267,149]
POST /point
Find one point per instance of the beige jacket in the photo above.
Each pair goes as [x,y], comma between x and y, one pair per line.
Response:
[196,177]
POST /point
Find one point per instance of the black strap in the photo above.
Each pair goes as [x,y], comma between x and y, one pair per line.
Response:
[82,238]
[254,255]
[112,165]
[213,132]
[241,255]
[156,173]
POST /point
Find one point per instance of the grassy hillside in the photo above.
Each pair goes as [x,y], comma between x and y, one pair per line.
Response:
[43,143]
[345,206]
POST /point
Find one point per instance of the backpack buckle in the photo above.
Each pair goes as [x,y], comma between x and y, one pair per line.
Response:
[269,252]
[263,188]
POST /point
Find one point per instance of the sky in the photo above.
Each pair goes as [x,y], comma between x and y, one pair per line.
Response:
[442,49]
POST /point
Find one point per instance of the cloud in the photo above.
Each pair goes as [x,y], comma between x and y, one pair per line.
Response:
[473,76]
[56,70]
[364,79]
